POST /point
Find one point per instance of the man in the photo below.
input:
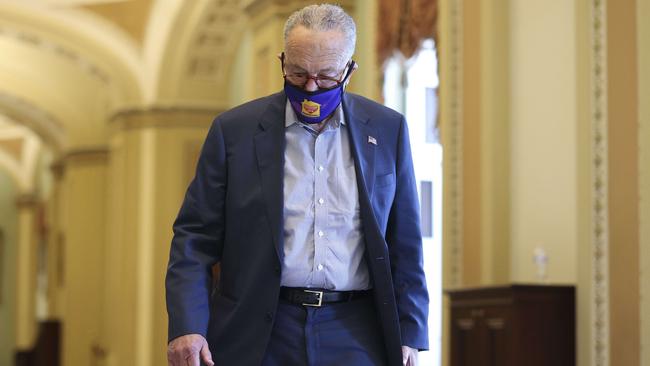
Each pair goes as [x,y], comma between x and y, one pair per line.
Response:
[307,200]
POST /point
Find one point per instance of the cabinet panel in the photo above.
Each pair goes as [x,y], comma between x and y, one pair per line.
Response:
[496,337]
[513,325]
[465,338]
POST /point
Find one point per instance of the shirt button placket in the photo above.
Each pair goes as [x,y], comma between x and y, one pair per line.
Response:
[320,213]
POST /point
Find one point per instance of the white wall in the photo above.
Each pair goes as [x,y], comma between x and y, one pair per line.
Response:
[543,138]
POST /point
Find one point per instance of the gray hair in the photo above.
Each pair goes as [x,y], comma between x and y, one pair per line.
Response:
[324,17]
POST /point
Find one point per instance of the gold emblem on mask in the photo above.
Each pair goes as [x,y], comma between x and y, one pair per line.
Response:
[310,109]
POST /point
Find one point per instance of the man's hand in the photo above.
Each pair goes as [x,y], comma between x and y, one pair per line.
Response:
[186,350]
[409,356]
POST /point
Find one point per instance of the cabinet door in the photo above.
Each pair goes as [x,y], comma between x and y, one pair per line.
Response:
[495,329]
[480,337]
[466,345]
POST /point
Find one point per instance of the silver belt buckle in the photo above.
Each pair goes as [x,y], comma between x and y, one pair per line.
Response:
[320,298]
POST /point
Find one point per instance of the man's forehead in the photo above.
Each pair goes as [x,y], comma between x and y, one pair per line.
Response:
[307,48]
[302,31]
[315,40]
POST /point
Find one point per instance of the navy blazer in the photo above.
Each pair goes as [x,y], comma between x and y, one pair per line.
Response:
[233,214]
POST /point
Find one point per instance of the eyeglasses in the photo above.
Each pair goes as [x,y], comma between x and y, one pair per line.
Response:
[300,79]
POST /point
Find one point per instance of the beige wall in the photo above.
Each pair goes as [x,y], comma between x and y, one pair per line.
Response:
[471,148]
[495,141]
[584,265]
[643,42]
[543,136]
[545,115]
[519,156]
[241,86]
[8,226]
[623,155]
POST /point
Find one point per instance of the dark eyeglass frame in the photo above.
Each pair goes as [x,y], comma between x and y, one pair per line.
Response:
[318,78]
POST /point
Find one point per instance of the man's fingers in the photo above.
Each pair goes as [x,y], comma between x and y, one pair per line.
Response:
[206,356]
[176,358]
[407,360]
[409,356]
[193,359]
[188,350]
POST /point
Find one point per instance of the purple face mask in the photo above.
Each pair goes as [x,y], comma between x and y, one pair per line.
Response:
[314,107]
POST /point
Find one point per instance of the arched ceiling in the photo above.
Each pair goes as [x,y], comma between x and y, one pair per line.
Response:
[71,65]
[200,53]
[80,61]
[128,15]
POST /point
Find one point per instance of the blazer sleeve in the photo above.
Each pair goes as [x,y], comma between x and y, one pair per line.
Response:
[198,241]
[405,248]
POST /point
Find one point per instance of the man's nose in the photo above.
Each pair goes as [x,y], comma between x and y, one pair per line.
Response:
[311,85]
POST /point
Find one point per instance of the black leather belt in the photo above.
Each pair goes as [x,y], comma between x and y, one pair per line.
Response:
[318,297]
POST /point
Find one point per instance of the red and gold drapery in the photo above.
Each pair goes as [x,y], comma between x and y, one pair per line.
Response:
[403,24]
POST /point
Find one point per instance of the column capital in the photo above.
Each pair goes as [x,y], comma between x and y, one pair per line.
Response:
[85,155]
[26,200]
[165,117]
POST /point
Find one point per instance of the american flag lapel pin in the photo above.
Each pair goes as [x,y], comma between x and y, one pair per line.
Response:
[372,140]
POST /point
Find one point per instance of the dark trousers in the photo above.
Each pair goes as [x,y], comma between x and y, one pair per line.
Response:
[345,333]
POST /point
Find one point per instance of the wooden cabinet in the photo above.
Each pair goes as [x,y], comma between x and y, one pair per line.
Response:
[513,325]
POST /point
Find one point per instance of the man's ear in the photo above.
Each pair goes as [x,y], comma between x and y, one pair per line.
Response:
[355,66]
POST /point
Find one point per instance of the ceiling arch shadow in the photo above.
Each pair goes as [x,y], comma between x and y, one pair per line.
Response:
[196,64]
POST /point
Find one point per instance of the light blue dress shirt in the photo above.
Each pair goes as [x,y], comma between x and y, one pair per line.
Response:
[323,241]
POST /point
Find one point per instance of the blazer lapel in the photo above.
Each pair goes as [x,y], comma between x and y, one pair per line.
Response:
[362,136]
[269,149]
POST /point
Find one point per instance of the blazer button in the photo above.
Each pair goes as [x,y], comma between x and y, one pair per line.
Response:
[277,269]
[269,316]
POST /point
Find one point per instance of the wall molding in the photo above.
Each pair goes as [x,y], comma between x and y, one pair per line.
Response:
[27,201]
[600,217]
[89,155]
[164,117]
[455,146]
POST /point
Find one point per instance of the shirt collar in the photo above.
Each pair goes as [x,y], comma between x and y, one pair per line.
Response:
[335,121]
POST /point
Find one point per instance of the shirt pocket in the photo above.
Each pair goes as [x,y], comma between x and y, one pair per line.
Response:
[345,198]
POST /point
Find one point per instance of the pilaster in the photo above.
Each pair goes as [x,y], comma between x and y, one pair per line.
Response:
[82,252]
[56,239]
[623,181]
[153,154]
[26,269]
[643,42]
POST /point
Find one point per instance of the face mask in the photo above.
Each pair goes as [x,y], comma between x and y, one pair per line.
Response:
[315,107]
